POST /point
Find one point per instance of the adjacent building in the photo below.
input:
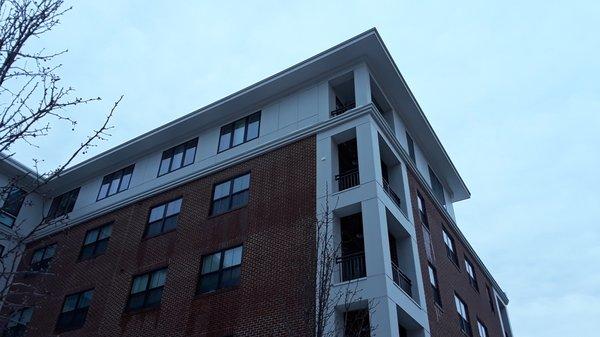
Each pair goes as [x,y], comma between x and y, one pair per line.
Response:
[207,226]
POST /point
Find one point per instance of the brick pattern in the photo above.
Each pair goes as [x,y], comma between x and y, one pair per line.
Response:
[444,321]
[274,298]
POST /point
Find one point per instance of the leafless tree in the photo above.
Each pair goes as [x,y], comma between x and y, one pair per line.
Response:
[336,300]
[32,99]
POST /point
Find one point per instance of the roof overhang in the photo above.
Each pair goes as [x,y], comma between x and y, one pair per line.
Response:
[367,46]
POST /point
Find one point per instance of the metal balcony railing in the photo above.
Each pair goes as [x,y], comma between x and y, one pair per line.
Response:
[342,109]
[401,279]
[352,266]
[347,179]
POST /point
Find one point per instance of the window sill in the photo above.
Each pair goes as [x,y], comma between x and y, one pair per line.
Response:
[229,211]
[215,292]
[129,313]
[158,235]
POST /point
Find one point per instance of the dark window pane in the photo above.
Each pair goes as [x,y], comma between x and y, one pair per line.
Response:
[101,247]
[154,228]
[91,236]
[231,277]
[114,185]
[14,200]
[170,223]
[87,252]
[173,207]
[209,282]
[154,296]
[136,301]
[239,199]
[241,183]
[220,206]
[6,219]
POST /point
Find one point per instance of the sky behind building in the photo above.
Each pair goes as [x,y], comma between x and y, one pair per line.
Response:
[512,89]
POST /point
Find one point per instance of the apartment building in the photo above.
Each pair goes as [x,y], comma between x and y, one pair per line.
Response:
[208,225]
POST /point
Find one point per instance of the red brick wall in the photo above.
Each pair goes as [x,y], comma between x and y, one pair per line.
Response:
[274,297]
[444,322]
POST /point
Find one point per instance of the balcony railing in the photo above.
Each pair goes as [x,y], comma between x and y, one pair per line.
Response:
[401,279]
[342,109]
[352,266]
[347,179]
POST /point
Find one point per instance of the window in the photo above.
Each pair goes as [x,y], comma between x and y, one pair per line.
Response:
[436,186]
[434,285]
[411,147]
[17,323]
[482,329]
[95,242]
[422,210]
[220,270]
[74,311]
[12,205]
[115,182]
[63,204]
[471,274]
[463,315]
[239,132]
[230,194]
[40,260]
[163,218]
[450,247]
[146,290]
[177,157]
[490,298]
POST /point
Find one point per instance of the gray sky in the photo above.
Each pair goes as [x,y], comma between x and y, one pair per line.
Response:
[511,87]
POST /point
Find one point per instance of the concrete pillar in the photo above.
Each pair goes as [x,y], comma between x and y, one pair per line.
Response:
[383,317]
[377,246]
[362,85]
[369,160]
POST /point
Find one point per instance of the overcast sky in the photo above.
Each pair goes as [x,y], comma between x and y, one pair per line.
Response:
[512,89]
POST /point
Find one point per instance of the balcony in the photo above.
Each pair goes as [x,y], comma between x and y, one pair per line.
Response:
[401,279]
[351,266]
[341,108]
[348,179]
[393,195]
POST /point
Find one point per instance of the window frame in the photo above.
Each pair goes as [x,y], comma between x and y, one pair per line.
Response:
[20,199]
[463,321]
[450,251]
[219,271]
[58,207]
[480,327]
[231,127]
[437,187]
[169,153]
[411,147]
[111,177]
[229,195]
[74,312]
[432,271]
[96,242]
[44,263]
[147,290]
[163,218]
[471,274]
[423,212]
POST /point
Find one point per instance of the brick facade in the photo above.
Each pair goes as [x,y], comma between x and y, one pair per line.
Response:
[443,321]
[276,228]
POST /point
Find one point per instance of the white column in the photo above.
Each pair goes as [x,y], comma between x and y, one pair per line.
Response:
[377,246]
[362,85]
[383,317]
[369,160]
